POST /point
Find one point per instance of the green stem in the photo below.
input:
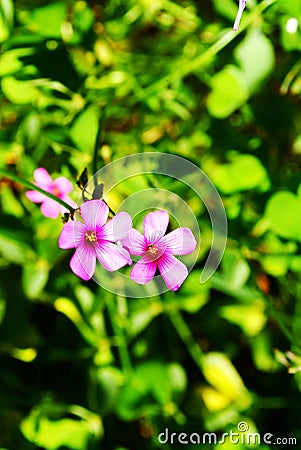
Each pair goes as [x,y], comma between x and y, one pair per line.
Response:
[205,58]
[185,334]
[96,147]
[30,185]
[119,333]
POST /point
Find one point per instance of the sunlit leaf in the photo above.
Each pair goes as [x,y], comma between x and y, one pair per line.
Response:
[19,92]
[47,20]
[53,434]
[255,55]
[241,173]
[229,92]
[84,129]
[283,212]
[222,375]
[34,277]
[250,318]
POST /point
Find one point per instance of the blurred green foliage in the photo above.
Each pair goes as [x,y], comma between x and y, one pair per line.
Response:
[80,367]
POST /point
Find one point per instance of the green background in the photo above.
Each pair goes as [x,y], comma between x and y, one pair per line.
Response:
[81,368]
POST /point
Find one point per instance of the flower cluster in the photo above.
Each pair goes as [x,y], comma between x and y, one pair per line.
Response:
[113,241]
[59,187]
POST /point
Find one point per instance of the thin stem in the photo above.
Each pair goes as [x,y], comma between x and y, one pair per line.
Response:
[206,57]
[119,333]
[185,334]
[30,185]
[96,146]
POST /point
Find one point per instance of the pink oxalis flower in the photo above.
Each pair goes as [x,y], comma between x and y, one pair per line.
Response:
[158,251]
[94,239]
[59,187]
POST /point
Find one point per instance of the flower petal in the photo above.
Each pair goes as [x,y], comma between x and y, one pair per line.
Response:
[110,256]
[143,271]
[35,196]
[117,228]
[135,242]
[42,177]
[173,271]
[72,234]
[155,225]
[124,252]
[63,185]
[94,213]
[180,241]
[50,208]
[83,262]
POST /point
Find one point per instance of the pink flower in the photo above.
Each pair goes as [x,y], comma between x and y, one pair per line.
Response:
[94,239]
[157,250]
[59,187]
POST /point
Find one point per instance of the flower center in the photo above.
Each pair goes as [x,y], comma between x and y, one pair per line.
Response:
[56,191]
[151,249]
[90,236]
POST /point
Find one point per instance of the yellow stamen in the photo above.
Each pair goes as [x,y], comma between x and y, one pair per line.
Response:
[90,236]
[151,249]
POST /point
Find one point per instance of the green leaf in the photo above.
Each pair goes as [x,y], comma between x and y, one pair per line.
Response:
[276,265]
[291,7]
[290,33]
[6,19]
[229,92]
[15,251]
[226,8]
[242,173]
[19,92]
[150,387]
[53,434]
[283,211]
[10,62]
[47,20]
[221,374]
[250,318]
[256,58]
[35,277]
[235,269]
[84,129]
[155,376]
[67,307]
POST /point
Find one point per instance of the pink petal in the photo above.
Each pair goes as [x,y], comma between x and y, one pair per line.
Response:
[63,185]
[110,256]
[155,225]
[94,213]
[83,262]
[124,252]
[50,208]
[35,196]
[42,177]
[135,242]
[72,234]
[117,228]
[180,241]
[143,271]
[173,271]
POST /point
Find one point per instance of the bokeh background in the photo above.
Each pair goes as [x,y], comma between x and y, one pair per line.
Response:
[82,84]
